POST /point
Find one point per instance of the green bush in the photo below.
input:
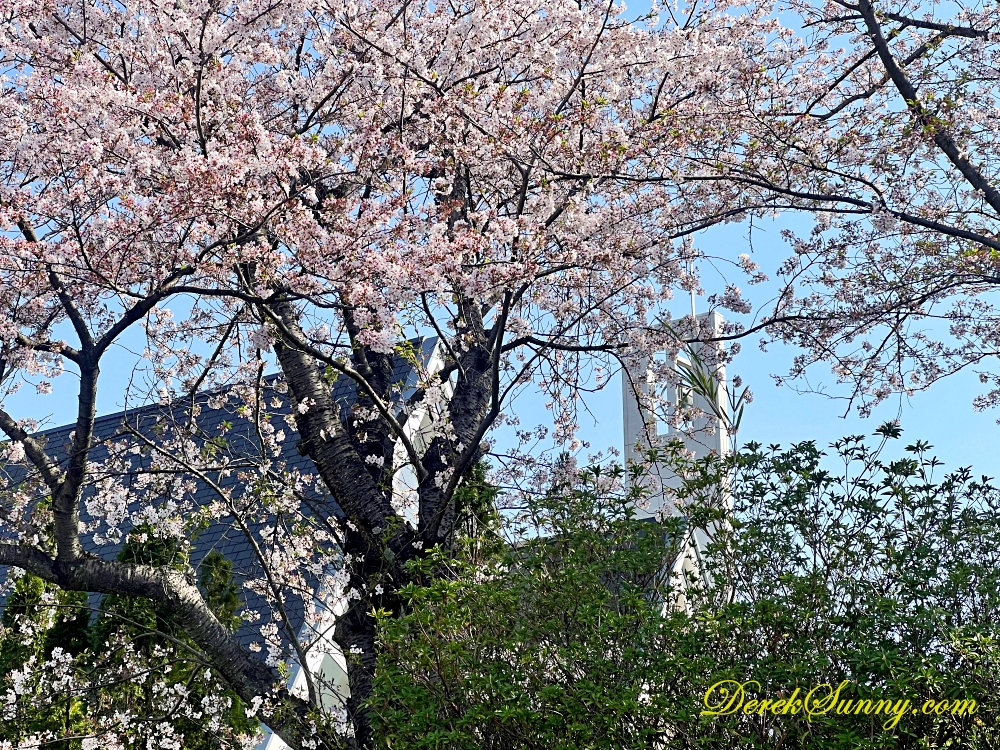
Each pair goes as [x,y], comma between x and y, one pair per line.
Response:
[570,632]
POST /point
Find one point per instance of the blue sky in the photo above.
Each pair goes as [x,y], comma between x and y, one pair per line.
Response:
[942,416]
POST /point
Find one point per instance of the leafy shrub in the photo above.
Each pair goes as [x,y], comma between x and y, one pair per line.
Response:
[572,631]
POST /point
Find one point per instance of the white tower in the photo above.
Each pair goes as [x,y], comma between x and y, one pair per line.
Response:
[644,430]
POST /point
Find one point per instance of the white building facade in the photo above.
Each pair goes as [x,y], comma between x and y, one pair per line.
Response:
[704,435]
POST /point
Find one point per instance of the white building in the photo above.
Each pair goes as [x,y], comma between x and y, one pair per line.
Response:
[645,429]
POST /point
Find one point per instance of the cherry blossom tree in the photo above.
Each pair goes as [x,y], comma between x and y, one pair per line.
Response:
[308,185]
[880,118]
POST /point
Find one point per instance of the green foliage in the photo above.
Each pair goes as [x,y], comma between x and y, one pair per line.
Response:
[165,647]
[149,634]
[221,592]
[880,574]
[540,644]
[41,619]
[700,379]
[575,635]
[475,506]
[138,617]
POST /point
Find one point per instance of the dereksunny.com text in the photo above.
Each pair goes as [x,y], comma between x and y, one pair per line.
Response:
[728,697]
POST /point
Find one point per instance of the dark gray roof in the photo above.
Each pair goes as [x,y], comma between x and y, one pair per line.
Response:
[224,535]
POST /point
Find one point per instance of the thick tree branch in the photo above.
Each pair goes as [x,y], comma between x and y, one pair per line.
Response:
[166,586]
[935,128]
[49,470]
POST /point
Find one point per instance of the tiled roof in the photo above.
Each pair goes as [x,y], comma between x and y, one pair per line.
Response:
[224,535]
